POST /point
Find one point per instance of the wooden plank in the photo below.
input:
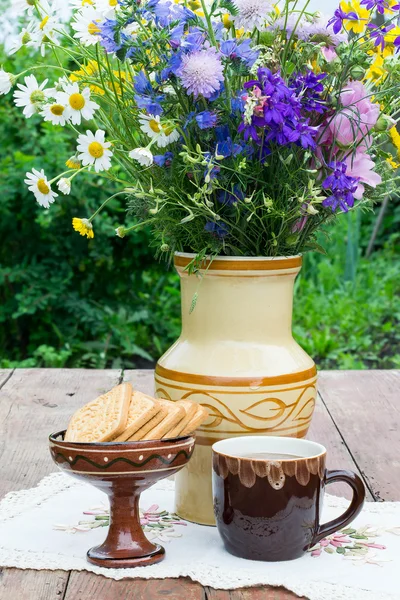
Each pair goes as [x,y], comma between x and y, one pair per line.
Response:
[365,408]
[33,585]
[5,375]
[83,586]
[323,430]
[33,404]
[256,593]
[142,380]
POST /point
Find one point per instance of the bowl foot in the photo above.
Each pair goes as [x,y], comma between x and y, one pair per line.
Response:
[154,557]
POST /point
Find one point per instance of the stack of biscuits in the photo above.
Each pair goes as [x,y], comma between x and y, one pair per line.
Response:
[126,415]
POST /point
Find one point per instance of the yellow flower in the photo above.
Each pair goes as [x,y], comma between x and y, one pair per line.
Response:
[377,72]
[73,163]
[227,21]
[395,136]
[239,32]
[390,38]
[83,226]
[359,25]
[390,4]
[88,71]
[395,165]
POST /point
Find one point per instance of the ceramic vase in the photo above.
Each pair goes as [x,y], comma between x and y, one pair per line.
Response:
[236,355]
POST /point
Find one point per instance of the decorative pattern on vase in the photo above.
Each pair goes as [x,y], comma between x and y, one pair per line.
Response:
[265,410]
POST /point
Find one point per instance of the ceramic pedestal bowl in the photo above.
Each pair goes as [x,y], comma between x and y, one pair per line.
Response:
[122,470]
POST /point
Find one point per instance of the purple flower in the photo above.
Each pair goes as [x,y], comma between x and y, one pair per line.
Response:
[206,119]
[342,186]
[201,72]
[309,88]
[230,198]
[218,230]
[379,5]
[162,160]
[338,18]
[225,146]
[397,44]
[141,84]
[378,33]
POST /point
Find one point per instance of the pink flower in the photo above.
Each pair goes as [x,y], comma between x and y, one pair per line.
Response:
[359,115]
[361,165]
[329,53]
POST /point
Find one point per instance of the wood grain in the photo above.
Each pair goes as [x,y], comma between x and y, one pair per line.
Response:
[365,408]
[32,585]
[256,593]
[84,586]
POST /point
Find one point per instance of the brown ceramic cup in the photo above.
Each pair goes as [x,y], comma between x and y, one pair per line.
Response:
[268,494]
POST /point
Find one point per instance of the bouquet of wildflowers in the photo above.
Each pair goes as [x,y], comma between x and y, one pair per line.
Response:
[236,127]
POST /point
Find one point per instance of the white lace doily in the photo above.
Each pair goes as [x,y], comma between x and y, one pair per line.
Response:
[28,540]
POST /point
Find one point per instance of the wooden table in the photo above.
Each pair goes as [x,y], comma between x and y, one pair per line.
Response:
[357,418]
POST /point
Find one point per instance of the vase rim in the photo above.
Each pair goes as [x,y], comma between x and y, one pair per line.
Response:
[192,255]
[236,265]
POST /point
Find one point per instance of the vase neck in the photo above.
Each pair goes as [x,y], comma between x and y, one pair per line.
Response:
[241,307]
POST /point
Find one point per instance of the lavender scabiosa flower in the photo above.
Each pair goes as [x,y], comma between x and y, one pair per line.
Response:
[206,119]
[342,186]
[252,13]
[201,72]
[218,230]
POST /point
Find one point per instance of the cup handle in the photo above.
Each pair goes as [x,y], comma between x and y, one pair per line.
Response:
[355,482]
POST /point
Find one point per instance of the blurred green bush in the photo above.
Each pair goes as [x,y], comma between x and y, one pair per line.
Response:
[67,301]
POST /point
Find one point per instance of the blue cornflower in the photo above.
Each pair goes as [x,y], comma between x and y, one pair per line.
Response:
[146,98]
[206,119]
[342,187]
[338,18]
[242,51]
[379,5]
[162,160]
[141,84]
[309,88]
[225,146]
[230,198]
[218,230]
[378,33]
[108,33]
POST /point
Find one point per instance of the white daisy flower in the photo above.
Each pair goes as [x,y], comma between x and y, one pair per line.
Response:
[142,155]
[7,80]
[17,7]
[47,32]
[252,13]
[163,134]
[31,95]
[86,25]
[94,150]
[64,185]
[107,7]
[55,112]
[38,184]
[81,3]
[58,86]
[78,103]
[26,37]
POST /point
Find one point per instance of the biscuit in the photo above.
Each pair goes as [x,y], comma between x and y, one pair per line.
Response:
[141,410]
[175,414]
[140,434]
[191,409]
[200,416]
[102,419]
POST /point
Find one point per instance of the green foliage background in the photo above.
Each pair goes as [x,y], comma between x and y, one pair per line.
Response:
[67,301]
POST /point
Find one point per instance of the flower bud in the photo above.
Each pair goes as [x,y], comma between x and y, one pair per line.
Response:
[384,123]
[357,72]
[120,231]
[164,248]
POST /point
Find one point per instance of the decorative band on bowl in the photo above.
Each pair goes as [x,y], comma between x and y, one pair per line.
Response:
[236,381]
[256,264]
